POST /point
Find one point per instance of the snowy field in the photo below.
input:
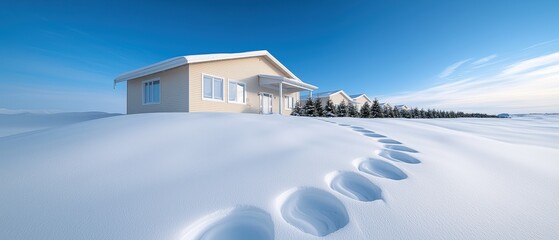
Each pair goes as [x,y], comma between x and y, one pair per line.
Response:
[245,176]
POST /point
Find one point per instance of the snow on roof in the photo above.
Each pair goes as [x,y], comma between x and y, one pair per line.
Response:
[354,96]
[330,93]
[183,60]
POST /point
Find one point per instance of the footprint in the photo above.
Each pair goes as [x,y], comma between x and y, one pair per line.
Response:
[398,156]
[400,148]
[389,141]
[355,127]
[374,135]
[238,223]
[380,168]
[363,131]
[354,186]
[343,125]
[313,210]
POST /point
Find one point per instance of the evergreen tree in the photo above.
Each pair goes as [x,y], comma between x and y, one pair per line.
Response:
[352,111]
[297,111]
[396,112]
[365,110]
[318,109]
[342,109]
[308,110]
[330,109]
[387,111]
[415,113]
[422,113]
[375,110]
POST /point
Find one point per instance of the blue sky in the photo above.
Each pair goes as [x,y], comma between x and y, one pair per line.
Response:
[63,55]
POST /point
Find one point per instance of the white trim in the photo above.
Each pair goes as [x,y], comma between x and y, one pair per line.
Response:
[144,91]
[184,60]
[271,102]
[244,95]
[350,99]
[361,95]
[287,104]
[213,92]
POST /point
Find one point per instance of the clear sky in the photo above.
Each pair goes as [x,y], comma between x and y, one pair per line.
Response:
[488,56]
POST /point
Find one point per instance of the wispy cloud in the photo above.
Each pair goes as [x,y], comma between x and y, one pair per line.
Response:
[484,60]
[528,85]
[452,68]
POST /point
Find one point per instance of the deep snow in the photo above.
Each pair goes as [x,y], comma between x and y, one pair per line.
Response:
[247,176]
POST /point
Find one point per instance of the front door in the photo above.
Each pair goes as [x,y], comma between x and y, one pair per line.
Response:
[265,103]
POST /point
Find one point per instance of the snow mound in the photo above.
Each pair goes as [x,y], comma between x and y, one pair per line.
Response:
[239,223]
[313,210]
[398,156]
[380,168]
[354,186]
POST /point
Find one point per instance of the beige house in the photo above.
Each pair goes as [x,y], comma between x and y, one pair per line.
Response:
[360,99]
[252,82]
[336,96]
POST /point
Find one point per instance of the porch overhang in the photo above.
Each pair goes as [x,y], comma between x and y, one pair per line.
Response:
[287,84]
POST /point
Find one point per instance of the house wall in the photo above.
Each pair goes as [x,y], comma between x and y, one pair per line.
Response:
[336,99]
[173,96]
[360,101]
[243,70]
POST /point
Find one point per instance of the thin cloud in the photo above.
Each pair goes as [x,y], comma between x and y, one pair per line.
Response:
[484,60]
[452,68]
[530,85]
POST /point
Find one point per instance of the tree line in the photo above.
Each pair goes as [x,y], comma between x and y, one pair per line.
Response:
[314,108]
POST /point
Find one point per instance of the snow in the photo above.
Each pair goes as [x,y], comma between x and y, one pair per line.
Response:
[248,176]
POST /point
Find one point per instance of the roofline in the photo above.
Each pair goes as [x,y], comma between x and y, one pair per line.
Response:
[184,60]
[362,95]
[298,83]
[342,91]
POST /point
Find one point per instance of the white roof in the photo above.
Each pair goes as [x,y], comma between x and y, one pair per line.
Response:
[330,93]
[355,96]
[183,60]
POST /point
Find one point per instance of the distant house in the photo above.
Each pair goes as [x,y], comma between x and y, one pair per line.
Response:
[360,99]
[402,107]
[252,82]
[337,97]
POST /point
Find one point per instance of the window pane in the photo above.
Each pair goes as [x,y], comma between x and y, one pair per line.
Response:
[232,92]
[218,88]
[240,93]
[207,87]
[146,92]
[156,92]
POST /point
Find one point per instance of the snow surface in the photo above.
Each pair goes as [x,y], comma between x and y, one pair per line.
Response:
[248,176]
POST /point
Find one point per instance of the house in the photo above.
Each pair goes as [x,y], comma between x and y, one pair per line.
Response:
[360,99]
[402,107]
[252,82]
[337,96]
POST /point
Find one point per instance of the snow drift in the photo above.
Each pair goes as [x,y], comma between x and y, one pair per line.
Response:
[246,176]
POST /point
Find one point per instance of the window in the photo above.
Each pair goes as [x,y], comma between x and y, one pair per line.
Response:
[289,103]
[212,88]
[237,92]
[152,92]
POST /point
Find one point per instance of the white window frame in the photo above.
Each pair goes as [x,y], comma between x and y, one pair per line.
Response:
[286,101]
[213,92]
[144,91]
[244,95]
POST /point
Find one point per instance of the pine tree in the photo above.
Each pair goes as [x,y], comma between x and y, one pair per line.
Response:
[308,110]
[376,112]
[342,109]
[387,111]
[365,110]
[330,109]
[352,111]
[319,110]
[396,112]
[415,113]
[297,111]
[422,113]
